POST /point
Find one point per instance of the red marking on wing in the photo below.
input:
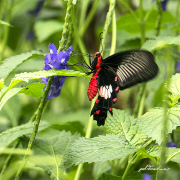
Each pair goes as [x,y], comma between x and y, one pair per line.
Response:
[117,88]
[93,85]
[97,112]
[115,78]
[115,99]
[97,100]
[110,109]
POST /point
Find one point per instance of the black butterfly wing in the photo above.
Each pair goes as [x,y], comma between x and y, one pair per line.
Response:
[107,96]
[131,67]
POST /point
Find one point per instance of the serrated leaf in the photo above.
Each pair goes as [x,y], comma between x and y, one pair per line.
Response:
[11,63]
[126,126]
[42,74]
[174,86]
[161,42]
[34,90]
[51,153]
[151,123]
[8,95]
[7,137]
[44,29]
[1,83]
[102,148]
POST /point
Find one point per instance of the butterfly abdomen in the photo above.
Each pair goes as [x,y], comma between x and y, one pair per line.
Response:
[93,85]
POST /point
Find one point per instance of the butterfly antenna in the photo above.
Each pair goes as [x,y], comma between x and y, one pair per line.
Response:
[101,41]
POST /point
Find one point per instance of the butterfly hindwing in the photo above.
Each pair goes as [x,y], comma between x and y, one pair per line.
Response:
[107,95]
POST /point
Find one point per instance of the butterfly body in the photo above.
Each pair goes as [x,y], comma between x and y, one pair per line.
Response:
[117,72]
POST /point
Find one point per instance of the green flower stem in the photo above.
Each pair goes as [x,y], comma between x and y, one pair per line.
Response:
[159,18]
[132,159]
[162,162]
[113,43]
[89,18]
[108,21]
[88,135]
[65,27]
[43,100]
[35,129]
[5,32]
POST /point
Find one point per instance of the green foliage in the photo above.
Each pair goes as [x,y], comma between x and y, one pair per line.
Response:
[42,32]
[100,148]
[11,63]
[161,42]
[152,122]
[65,136]
[9,136]
[125,126]
[52,154]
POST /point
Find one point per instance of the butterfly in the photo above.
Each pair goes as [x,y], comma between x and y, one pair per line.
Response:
[117,72]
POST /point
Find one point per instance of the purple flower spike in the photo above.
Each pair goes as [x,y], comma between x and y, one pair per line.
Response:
[164,5]
[177,66]
[147,176]
[57,61]
[171,144]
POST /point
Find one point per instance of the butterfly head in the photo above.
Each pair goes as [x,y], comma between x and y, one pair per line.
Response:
[97,54]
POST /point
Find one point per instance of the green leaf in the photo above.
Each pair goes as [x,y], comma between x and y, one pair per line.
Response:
[5,97]
[174,89]
[1,83]
[42,74]
[99,168]
[44,29]
[109,177]
[73,127]
[7,137]
[102,148]
[151,123]
[51,153]
[126,126]
[172,153]
[5,23]
[161,42]
[128,22]
[34,90]
[11,63]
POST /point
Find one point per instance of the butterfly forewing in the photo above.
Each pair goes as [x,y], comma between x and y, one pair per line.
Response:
[132,67]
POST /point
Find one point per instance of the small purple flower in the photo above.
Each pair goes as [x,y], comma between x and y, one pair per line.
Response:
[57,61]
[171,144]
[164,4]
[177,66]
[37,9]
[147,176]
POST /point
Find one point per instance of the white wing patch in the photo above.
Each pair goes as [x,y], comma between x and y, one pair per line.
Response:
[105,91]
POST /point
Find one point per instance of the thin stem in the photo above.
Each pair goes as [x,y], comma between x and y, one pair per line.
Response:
[6,32]
[108,21]
[88,135]
[162,162]
[130,9]
[77,37]
[89,18]
[113,43]
[8,159]
[35,129]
